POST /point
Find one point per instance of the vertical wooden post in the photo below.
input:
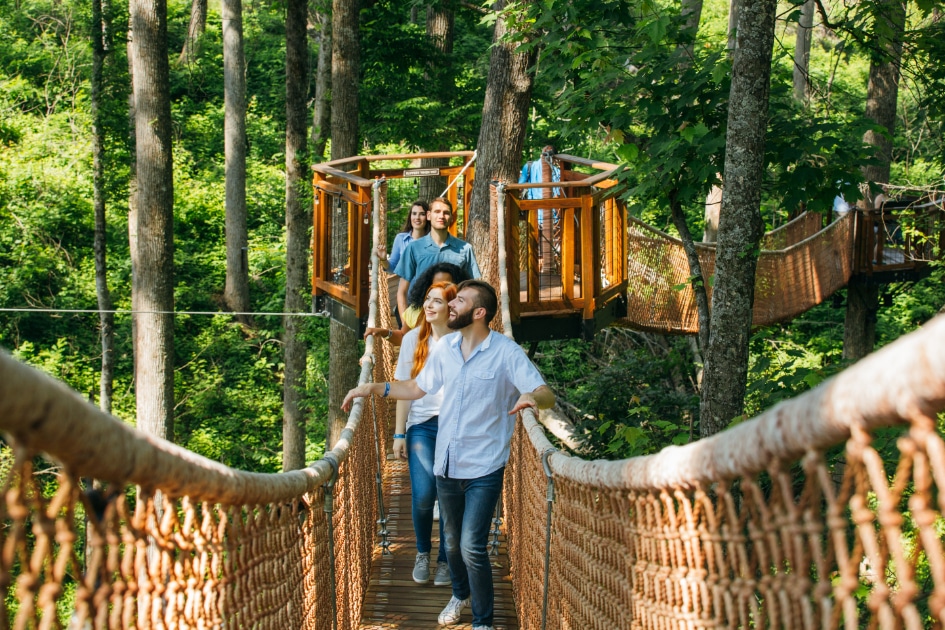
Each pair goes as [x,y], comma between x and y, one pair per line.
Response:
[590,262]
[512,266]
[568,251]
[534,295]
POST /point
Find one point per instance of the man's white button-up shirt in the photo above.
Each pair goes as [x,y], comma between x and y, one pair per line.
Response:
[475,427]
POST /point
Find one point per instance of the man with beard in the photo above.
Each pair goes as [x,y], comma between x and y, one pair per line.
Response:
[486,379]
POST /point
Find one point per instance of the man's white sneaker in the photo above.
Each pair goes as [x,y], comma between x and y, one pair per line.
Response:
[421,568]
[453,611]
[483,628]
[442,575]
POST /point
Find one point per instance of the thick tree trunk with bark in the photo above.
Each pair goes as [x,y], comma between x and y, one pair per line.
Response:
[106,318]
[236,291]
[345,71]
[502,134]
[296,224]
[321,118]
[740,223]
[882,95]
[195,30]
[802,52]
[153,282]
[345,78]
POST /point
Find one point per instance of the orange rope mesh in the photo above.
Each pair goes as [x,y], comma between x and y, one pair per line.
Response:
[762,525]
[789,281]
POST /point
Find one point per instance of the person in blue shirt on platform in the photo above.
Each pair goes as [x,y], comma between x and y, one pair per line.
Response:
[437,246]
[486,379]
[543,170]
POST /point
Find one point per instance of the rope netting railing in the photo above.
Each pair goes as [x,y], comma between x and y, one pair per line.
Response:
[789,520]
[105,526]
[789,281]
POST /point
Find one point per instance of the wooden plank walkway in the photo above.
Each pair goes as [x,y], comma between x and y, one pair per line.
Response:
[394,600]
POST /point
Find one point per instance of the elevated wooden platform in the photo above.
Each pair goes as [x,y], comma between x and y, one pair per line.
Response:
[394,600]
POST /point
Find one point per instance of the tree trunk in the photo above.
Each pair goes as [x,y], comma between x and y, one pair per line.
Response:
[195,30]
[345,78]
[734,8]
[153,283]
[236,291]
[802,52]
[859,325]
[440,23]
[106,317]
[321,119]
[740,223]
[296,223]
[882,94]
[698,280]
[713,203]
[501,136]
[692,11]
[345,70]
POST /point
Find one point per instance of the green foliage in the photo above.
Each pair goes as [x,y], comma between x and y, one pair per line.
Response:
[633,392]
[419,96]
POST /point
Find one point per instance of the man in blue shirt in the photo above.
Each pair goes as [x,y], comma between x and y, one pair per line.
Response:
[437,246]
[542,170]
[486,379]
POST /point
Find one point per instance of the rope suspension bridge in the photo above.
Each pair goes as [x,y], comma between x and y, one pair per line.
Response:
[788,520]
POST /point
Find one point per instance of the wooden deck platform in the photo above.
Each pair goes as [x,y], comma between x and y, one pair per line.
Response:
[394,600]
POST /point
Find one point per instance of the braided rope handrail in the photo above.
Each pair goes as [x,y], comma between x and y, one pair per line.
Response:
[905,381]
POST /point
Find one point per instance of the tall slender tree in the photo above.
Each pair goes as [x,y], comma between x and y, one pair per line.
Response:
[882,96]
[296,224]
[805,23]
[502,134]
[321,117]
[106,317]
[195,30]
[236,291]
[153,281]
[740,224]
[441,21]
[345,71]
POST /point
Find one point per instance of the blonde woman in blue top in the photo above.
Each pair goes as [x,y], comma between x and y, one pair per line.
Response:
[416,428]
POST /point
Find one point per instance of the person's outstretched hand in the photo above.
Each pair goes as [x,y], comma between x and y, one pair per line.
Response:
[361,391]
[524,401]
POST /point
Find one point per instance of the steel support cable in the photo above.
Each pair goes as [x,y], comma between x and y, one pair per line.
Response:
[550,498]
[460,173]
[329,510]
[383,532]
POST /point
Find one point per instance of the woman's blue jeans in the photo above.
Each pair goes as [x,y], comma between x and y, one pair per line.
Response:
[466,508]
[421,445]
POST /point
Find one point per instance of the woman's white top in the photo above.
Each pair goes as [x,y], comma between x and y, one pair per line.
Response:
[425,408]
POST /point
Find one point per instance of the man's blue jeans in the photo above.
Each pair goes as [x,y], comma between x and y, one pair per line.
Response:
[466,508]
[421,445]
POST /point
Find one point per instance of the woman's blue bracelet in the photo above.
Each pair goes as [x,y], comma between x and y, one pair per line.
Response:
[386,390]
[400,436]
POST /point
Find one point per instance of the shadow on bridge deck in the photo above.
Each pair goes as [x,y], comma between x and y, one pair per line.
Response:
[393,599]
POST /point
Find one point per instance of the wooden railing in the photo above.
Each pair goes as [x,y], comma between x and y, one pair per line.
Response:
[899,239]
[567,252]
[341,239]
